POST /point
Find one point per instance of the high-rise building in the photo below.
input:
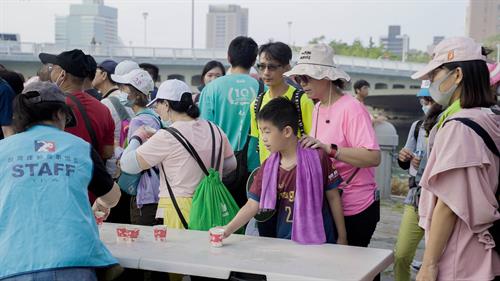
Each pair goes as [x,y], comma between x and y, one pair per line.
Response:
[394,42]
[224,23]
[88,23]
[435,40]
[482,19]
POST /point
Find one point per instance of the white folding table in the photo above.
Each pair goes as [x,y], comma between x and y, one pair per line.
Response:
[189,252]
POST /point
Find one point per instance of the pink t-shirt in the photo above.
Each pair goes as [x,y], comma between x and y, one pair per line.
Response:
[183,172]
[347,123]
[463,173]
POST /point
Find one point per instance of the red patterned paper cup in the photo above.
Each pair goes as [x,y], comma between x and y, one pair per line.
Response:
[122,234]
[99,217]
[160,233]
[133,233]
[216,236]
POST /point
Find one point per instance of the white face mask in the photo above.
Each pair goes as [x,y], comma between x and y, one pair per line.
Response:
[442,98]
[167,122]
[425,108]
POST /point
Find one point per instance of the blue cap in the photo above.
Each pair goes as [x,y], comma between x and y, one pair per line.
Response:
[424,92]
[108,66]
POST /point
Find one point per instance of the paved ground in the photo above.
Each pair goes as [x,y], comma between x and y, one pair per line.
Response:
[387,232]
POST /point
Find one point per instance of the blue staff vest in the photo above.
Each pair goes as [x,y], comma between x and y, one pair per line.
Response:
[46,221]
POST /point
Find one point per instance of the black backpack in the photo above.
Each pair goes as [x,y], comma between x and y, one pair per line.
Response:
[495,228]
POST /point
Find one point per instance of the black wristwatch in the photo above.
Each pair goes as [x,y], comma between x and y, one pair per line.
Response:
[333,150]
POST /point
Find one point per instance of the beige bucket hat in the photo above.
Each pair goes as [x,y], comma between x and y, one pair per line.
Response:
[316,61]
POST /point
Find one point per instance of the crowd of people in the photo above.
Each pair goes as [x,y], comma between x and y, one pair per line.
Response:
[81,137]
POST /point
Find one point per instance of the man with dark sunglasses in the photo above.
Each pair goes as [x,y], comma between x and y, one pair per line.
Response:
[274,60]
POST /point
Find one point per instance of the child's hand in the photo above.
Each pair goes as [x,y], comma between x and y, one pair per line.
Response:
[342,241]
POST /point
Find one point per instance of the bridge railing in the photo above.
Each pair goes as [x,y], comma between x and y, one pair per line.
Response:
[27,48]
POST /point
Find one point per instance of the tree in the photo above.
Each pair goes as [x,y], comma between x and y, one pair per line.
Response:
[357,49]
[317,40]
[492,43]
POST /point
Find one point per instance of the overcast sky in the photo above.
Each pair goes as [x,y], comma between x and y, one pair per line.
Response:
[169,21]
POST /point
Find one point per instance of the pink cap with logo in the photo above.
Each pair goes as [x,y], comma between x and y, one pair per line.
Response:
[453,49]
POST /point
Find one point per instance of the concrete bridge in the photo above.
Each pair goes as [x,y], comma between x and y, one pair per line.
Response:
[386,77]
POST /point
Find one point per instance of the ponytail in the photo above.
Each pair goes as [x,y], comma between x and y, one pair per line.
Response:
[185,105]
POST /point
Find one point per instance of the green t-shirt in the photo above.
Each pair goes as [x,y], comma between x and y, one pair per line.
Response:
[226,102]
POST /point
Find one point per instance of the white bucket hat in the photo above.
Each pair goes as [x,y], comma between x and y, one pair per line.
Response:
[316,61]
[138,78]
[451,49]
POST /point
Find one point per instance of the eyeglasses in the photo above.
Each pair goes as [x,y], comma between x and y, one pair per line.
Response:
[271,67]
[299,79]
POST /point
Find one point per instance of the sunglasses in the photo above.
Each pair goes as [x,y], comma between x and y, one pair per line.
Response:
[299,79]
[271,67]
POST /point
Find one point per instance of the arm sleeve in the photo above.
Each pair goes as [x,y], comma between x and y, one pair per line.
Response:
[101,182]
[128,160]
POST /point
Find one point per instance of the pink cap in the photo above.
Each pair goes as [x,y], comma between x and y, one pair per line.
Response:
[453,49]
[494,73]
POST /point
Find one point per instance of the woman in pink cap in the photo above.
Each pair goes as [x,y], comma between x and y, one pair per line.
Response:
[458,205]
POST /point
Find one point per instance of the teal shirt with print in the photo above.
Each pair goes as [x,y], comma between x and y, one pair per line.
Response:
[226,102]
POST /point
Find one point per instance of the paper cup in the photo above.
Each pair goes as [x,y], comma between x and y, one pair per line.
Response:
[122,234]
[99,217]
[216,236]
[133,233]
[160,233]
